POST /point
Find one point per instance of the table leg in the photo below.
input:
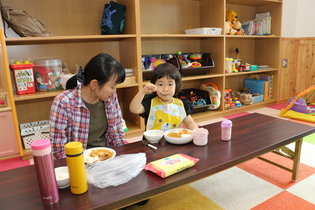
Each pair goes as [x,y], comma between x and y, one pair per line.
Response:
[296,160]
[294,156]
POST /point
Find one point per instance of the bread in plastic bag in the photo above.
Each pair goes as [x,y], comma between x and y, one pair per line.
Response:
[115,171]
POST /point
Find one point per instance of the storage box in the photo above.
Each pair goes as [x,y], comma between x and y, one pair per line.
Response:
[149,62]
[255,86]
[47,74]
[212,31]
[206,62]
[199,98]
[23,77]
[33,131]
[3,100]
[257,99]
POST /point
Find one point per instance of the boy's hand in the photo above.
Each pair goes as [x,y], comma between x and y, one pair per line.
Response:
[149,88]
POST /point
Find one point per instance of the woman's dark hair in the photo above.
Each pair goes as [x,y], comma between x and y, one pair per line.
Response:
[101,68]
[170,71]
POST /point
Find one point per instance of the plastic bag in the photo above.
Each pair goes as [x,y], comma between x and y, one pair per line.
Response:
[115,171]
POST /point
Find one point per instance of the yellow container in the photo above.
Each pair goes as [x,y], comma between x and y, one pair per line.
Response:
[228,65]
[75,162]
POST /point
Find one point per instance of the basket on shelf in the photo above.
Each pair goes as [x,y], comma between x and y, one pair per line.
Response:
[33,131]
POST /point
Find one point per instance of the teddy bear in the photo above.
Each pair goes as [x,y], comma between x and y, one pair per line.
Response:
[232,25]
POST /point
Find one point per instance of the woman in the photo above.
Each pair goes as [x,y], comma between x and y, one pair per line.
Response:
[89,112]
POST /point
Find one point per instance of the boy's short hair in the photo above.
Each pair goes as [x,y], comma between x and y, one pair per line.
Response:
[169,70]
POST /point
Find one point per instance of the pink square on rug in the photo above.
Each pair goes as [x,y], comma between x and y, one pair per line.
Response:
[273,174]
[284,201]
[236,115]
[13,163]
[278,106]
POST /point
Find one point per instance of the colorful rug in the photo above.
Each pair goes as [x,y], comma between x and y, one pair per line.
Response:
[254,184]
[13,163]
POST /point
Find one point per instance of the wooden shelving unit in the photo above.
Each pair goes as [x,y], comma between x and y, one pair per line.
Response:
[151,27]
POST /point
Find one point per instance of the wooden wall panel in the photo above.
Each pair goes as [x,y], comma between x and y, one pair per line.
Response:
[305,64]
[288,75]
[300,73]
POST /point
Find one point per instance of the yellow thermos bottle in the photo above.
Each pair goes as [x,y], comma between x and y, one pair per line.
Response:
[76,167]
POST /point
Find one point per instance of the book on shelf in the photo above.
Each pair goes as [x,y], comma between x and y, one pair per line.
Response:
[265,77]
[255,86]
[246,26]
[264,25]
[261,25]
[129,72]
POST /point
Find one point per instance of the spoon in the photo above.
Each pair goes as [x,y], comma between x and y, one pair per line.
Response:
[146,142]
[163,94]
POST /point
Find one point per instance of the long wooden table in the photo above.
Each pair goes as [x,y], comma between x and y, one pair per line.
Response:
[253,135]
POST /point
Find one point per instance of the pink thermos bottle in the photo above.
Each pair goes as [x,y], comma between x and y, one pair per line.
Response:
[226,130]
[45,171]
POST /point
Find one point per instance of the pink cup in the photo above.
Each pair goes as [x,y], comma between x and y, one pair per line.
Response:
[226,130]
[200,136]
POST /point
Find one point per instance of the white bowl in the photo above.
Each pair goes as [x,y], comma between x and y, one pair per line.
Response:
[62,176]
[90,160]
[153,136]
[181,139]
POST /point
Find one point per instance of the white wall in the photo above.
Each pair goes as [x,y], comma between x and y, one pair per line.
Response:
[297,18]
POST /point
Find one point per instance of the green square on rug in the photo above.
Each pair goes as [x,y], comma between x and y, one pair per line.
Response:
[310,138]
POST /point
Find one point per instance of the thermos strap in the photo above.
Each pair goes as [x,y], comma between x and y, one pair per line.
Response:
[74,155]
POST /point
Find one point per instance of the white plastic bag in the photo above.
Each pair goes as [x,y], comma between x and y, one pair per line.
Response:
[115,171]
[64,78]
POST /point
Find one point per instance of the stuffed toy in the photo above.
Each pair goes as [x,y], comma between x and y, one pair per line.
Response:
[232,25]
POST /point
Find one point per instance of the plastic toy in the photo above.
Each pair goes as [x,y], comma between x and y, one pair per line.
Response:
[158,62]
[193,98]
[185,63]
[152,60]
[299,108]
[214,93]
[201,102]
[124,126]
[195,101]
[246,98]
[195,64]
[195,56]
[234,68]
[237,102]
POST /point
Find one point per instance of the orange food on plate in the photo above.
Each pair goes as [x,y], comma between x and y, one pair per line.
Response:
[102,154]
[179,134]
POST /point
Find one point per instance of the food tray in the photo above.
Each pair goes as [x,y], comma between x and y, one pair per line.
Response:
[33,131]
[206,31]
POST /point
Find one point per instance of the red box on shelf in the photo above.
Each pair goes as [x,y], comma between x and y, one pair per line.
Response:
[23,77]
